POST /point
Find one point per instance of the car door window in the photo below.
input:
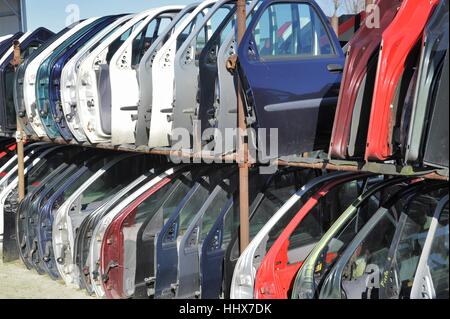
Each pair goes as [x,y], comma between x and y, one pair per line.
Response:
[291,30]
[116,44]
[282,187]
[210,28]
[319,220]
[146,38]
[212,213]
[409,247]
[189,28]
[336,245]
[370,254]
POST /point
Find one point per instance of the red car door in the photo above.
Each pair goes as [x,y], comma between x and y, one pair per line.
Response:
[276,273]
[356,93]
[112,261]
[398,40]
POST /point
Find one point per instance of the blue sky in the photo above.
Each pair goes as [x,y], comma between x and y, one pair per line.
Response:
[52,13]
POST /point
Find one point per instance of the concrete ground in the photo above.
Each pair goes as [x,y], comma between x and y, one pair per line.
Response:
[17,282]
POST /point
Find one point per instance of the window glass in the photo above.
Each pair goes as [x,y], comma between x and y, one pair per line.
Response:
[231,223]
[115,178]
[339,242]
[173,198]
[150,205]
[213,212]
[116,44]
[318,220]
[368,259]
[438,260]
[190,27]
[143,41]
[412,238]
[191,208]
[208,30]
[282,187]
[291,30]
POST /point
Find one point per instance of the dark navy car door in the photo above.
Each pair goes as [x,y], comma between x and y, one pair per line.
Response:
[291,64]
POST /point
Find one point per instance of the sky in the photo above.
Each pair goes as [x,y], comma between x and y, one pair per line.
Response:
[53,14]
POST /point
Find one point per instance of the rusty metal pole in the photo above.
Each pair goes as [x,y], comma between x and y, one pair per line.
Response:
[243,142]
[20,166]
[19,133]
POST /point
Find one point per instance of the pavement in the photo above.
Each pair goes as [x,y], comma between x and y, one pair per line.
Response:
[17,282]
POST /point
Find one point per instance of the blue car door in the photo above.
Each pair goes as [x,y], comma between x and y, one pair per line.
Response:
[28,44]
[55,75]
[291,64]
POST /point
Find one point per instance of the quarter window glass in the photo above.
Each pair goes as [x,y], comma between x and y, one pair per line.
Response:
[291,30]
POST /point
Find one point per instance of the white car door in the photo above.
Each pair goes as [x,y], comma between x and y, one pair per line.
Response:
[69,80]
[94,86]
[186,101]
[62,237]
[145,76]
[123,73]
[29,85]
[163,73]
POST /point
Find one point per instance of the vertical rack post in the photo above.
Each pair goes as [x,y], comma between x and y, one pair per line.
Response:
[242,157]
[20,161]
[19,132]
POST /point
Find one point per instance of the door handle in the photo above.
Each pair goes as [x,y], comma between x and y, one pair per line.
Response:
[335,68]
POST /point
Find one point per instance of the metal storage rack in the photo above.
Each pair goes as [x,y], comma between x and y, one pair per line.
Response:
[241,158]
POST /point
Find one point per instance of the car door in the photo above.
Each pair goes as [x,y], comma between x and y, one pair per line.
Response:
[28,43]
[45,80]
[435,46]
[362,272]
[394,72]
[353,110]
[188,275]
[145,76]
[84,236]
[316,266]
[167,243]
[243,277]
[185,112]
[58,62]
[119,250]
[123,73]
[28,82]
[69,79]
[293,238]
[163,69]
[285,43]
[218,102]
[431,278]
[93,93]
